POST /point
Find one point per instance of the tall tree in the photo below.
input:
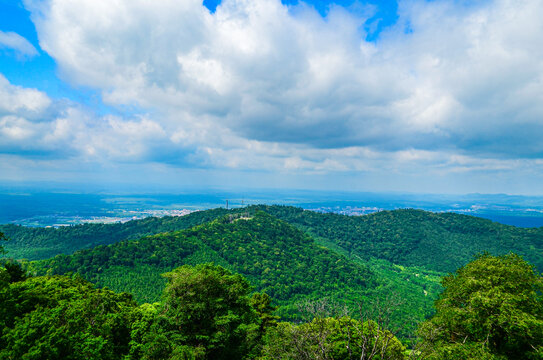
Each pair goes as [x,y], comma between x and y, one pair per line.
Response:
[208,308]
[2,238]
[492,308]
[63,318]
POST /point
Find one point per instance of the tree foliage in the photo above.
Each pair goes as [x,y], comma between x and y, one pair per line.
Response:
[209,308]
[63,318]
[275,257]
[490,308]
[2,238]
[331,338]
[407,249]
[34,243]
[280,259]
[206,313]
[437,241]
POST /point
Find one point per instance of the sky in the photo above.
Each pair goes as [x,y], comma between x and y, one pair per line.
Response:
[442,96]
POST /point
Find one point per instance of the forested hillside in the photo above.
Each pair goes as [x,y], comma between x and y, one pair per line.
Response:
[489,309]
[436,241]
[34,243]
[406,250]
[274,256]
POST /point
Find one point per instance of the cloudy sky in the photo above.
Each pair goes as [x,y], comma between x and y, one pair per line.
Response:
[442,96]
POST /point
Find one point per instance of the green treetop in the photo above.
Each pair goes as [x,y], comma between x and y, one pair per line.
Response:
[208,313]
[2,238]
[63,318]
[492,308]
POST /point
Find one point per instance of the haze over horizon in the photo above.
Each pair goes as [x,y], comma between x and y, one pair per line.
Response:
[407,96]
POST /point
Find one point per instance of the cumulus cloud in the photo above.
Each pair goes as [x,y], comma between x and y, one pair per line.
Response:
[17,43]
[258,84]
[15,99]
[35,126]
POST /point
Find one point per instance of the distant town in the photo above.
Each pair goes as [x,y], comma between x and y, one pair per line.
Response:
[59,209]
[121,217]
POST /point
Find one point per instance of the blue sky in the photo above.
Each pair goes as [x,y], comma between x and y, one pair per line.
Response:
[438,96]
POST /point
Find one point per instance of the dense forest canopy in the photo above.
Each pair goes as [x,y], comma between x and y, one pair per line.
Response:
[2,239]
[291,257]
[437,241]
[273,255]
[35,243]
[492,308]
[401,252]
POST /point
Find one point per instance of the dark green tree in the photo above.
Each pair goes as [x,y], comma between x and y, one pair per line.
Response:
[14,272]
[208,309]
[4,276]
[63,318]
[331,338]
[2,238]
[492,308]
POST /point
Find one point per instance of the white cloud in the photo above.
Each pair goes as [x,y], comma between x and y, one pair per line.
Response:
[259,85]
[16,42]
[17,99]
[33,125]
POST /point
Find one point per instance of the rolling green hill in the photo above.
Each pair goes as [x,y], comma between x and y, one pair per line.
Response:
[274,256]
[34,243]
[436,241]
[402,253]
